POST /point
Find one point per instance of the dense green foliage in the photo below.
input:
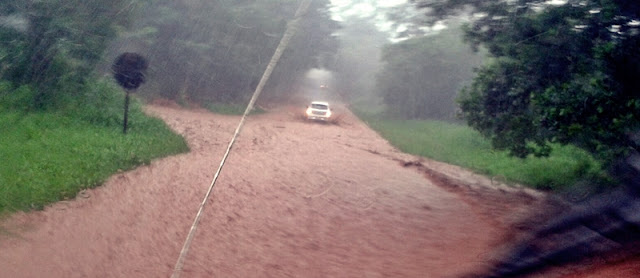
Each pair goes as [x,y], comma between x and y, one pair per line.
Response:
[50,155]
[460,145]
[198,50]
[565,74]
[203,50]
[55,45]
[60,124]
[422,76]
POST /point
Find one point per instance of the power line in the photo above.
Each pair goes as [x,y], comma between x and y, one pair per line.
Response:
[291,29]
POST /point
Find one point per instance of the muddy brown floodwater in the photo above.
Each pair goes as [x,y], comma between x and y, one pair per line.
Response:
[296,199]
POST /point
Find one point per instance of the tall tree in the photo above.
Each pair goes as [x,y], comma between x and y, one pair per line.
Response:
[562,73]
[422,76]
[52,44]
[216,50]
[358,59]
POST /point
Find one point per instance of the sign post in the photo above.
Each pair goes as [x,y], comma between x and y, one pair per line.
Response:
[128,69]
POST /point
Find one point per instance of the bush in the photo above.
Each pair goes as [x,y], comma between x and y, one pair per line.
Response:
[18,99]
[463,146]
[54,153]
[101,103]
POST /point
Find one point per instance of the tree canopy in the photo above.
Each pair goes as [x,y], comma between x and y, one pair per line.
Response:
[202,50]
[564,73]
[422,76]
[212,50]
[53,45]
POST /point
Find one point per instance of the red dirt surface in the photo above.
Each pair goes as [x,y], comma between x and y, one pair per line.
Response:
[296,199]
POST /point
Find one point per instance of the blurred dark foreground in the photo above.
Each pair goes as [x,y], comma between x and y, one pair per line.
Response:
[606,224]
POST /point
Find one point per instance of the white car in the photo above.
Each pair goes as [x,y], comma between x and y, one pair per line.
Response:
[319,110]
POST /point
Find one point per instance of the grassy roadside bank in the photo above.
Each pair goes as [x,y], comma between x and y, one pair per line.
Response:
[460,145]
[47,156]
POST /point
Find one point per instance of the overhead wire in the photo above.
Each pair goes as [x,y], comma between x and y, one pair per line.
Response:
[290,31]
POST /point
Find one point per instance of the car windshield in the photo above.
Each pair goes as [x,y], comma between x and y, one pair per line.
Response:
[319,106]
[381,138]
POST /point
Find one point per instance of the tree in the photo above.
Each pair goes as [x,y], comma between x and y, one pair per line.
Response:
[202,50]
[52,45]
[313,46]
[358,59]
[421,76]
[561,73]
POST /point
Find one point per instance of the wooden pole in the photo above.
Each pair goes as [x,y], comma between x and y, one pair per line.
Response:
[126,112]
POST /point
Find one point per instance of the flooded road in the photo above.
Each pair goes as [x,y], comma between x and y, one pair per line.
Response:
[296,199]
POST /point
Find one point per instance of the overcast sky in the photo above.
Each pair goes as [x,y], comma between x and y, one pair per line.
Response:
[343,9]
[376,11]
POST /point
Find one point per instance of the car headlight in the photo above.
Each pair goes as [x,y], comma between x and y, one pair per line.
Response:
[328,113]
[309,111]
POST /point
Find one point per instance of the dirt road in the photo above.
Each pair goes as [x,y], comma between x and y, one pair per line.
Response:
[296,199]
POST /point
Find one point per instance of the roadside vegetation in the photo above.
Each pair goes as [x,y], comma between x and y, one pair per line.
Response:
[51,155]
[61,118]
[460,145]
[415,108]
[554,86]
[61,115]
[217,53]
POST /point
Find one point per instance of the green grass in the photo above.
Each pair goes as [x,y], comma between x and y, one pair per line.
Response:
[231,109]
[50,155]
[460,145]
